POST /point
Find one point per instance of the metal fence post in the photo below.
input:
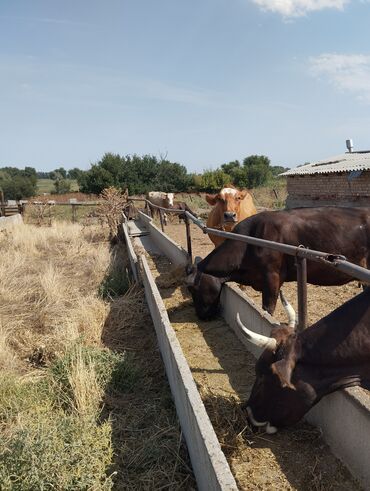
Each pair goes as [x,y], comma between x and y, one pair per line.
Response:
[188,238]
[301,263]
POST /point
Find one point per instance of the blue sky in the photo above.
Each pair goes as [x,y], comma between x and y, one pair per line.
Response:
[202,82]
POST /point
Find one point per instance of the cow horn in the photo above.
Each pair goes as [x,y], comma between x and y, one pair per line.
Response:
[289,310]
[258,339]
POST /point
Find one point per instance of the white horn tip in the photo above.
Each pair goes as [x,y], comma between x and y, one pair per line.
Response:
[271,429]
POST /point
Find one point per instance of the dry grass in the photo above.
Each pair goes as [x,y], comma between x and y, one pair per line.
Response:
[49,305]
[84,400]
[48,288]
[87,392]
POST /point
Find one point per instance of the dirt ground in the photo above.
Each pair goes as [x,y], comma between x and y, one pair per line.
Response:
[293,459]
[320,299]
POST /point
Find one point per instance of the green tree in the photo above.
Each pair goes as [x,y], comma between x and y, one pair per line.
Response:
[59,172]
[278,169]
[137,173]
[31,173]
[16,186]
[258,170]
[214,180]
[62,186]
[74,173]
[172,177]
[231,168]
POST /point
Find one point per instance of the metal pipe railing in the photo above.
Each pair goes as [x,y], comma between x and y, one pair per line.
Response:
[336,261]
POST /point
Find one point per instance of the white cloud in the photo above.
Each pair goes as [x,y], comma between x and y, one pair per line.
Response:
[297,8]
[347,72]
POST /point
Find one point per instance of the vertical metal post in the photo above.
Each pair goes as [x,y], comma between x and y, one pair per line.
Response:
[188,238]
[161,220]
[302,292]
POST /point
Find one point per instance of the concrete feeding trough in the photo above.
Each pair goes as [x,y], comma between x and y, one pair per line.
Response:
[344,416]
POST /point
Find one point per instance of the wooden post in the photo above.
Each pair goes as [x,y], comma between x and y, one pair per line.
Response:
[74,216]
[161,219]
[2,210]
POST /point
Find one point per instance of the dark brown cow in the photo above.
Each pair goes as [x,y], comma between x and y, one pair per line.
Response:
[333,230]
[296,370]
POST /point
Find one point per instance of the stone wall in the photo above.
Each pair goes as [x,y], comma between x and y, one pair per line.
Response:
[328,189]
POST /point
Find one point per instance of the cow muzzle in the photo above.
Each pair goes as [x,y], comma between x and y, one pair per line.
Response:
[230,217]
[269,428]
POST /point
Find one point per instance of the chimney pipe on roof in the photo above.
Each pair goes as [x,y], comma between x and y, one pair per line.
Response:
[349,144]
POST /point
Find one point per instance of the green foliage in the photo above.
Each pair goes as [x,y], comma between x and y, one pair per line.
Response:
[254,172]
[214,180]
[59,173]
[17,183]
[258,170]
[50,445]
[47,186]
[46,447]
[74,173]
[116,372]
[278,169]
[115,283]
[62,186]
[137,174]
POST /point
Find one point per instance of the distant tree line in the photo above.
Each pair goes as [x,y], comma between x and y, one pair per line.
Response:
[16,183]
[22,183]
[146,173]
[140,174]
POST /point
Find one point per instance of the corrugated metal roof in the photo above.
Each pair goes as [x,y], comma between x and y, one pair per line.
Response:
[346,162]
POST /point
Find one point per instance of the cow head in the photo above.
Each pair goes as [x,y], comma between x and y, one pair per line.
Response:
[205,291]
[276,399]
[170,197]
[228,201]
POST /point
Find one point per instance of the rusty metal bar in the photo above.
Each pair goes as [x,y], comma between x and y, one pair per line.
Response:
[301,263]
[188,238]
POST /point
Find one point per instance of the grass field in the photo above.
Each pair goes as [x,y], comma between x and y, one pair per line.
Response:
[84,403]
[47,185]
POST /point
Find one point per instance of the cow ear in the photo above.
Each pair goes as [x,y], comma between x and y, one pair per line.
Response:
[284,369]
[243,193]
[211,199]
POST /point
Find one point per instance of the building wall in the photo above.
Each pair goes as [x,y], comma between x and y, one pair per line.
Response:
[328,190]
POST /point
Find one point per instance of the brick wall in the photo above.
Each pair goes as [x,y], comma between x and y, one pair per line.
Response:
[326,189]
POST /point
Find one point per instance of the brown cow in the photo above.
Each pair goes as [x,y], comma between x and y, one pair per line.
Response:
[159,198]
[333,230]
[296,370]
[230,206]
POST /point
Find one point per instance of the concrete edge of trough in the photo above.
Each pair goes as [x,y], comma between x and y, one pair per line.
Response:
[131,253]
[6,222]
[174,252]
[210,466]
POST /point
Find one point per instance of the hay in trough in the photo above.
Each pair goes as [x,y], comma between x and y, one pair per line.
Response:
[295,458]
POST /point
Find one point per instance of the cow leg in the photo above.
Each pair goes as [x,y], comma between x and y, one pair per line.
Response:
[270,292]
